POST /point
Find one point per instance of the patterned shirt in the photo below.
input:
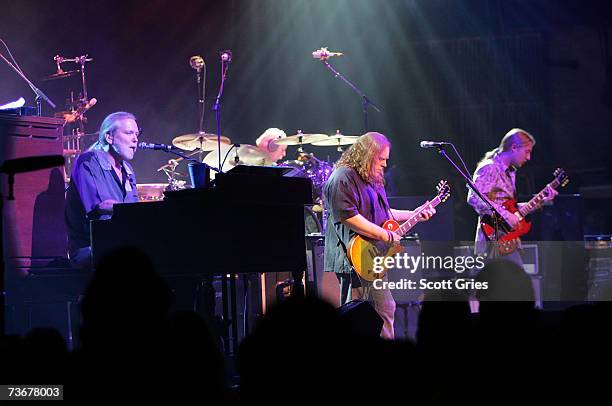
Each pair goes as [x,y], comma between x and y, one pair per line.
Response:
[495,180]
[93,181]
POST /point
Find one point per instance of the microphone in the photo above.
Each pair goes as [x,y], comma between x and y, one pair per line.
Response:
[226,56]
[156,147]
[196,62]
[433,144]
[324,53]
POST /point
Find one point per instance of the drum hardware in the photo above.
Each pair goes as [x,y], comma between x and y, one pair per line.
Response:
[174,162]
[77,114]
[74,114]
[170,170]
[338,140]
[79,60]
[236,154]
[60,75]
[300,139]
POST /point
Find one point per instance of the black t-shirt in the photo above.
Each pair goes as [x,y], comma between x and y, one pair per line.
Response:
[346,194]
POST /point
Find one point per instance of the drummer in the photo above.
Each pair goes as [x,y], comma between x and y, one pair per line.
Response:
[266,143]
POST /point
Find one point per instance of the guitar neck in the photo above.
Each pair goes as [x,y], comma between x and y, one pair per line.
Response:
[533,203]
[412,221]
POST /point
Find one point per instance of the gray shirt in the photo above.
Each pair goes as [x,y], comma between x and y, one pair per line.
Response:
[93,181]
[346,195]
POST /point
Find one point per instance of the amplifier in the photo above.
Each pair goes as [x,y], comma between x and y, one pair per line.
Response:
[529,254]
[531,260]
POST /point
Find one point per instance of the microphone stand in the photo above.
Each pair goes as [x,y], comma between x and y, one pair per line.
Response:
[365,100]
[201,79]
[201,82]
[226,59]
[498,220]
[39,93]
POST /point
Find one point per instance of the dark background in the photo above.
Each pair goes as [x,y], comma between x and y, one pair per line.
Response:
[461,71]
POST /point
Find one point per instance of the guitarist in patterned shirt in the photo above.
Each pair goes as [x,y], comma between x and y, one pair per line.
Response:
[495,177]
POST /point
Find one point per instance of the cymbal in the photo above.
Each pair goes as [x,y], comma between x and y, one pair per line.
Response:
[300,138]
[246,154]
[61,75]
[203,141]
[336,140]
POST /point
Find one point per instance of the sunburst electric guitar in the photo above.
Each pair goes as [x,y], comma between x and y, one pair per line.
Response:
[508,240]
[362,251]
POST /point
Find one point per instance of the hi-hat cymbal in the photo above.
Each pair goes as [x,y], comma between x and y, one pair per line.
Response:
[300,139]
[203,141]
[61,75]
[336,140]
[244,154]
[174,162]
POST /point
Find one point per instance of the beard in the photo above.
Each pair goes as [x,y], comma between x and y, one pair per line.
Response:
[378,177]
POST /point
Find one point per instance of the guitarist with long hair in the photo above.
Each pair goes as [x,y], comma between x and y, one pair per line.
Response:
[495,177]
[356,202]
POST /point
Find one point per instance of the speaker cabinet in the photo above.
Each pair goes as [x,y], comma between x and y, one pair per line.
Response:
[361,318]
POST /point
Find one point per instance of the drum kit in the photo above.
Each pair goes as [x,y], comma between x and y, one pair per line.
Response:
[206,146]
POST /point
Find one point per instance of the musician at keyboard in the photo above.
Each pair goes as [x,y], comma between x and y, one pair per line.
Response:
[101,177]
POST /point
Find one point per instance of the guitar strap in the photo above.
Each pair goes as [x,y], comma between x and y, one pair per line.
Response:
[341,243]
[385,204]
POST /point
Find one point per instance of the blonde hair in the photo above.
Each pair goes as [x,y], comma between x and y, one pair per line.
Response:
[515,136]
[268,136]
[360,156]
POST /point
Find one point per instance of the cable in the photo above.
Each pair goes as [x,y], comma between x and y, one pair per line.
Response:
[226,155]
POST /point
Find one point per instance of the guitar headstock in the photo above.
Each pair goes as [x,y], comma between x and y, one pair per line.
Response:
[561,176]
[443,190]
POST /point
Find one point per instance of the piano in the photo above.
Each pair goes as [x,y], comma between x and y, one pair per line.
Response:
[247,223]
[251,221]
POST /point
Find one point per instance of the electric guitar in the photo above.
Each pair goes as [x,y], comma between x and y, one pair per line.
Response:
[509,239]
[362,251]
